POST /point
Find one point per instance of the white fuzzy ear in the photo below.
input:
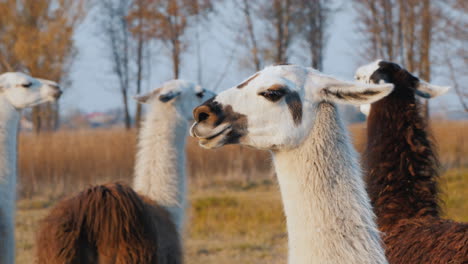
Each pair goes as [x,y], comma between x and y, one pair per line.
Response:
[427,90]
[355,93]
[142,98]
[145,98]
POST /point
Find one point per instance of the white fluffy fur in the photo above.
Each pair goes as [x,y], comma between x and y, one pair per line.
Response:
[160,164]
[9,119]
[14,97]
[329,216]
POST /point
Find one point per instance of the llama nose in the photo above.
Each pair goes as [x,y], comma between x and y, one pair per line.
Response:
[202,113]
[57,93]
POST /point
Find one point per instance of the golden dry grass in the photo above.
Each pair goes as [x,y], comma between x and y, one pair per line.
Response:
[235,213]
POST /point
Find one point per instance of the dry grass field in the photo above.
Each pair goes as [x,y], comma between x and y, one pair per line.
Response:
[235,211]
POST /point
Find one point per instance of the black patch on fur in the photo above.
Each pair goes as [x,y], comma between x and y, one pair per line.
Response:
[242,85]
[293,100]
[282,64]
[391,72]
[167,97]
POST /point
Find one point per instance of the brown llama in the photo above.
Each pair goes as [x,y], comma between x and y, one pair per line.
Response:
[402,173]
[108,224]
[112,224]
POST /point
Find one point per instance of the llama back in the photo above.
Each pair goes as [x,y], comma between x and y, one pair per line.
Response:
[107,224]
[427,240]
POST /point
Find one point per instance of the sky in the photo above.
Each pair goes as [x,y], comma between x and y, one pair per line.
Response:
[94,88]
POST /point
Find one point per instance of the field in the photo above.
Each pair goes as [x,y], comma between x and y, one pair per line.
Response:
[235,215]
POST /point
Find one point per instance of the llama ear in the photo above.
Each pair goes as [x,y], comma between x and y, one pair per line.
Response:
[166,97]
[354,93]
[142,98]
[146,97]
[427,90]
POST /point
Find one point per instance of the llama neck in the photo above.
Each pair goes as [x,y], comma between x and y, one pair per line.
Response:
[329,216]
[160,163]
[9,120]
[401,161]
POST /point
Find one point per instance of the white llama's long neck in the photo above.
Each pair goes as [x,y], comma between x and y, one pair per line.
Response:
[160,163]
[9,120]
[329,216]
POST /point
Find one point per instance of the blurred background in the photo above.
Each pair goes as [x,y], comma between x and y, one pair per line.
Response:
[105,51]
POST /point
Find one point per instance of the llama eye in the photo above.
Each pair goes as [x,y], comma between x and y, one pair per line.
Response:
[27,85]
[200,94]
[273,95]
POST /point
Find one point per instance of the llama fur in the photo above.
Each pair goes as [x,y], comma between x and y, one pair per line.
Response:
[149,218]
[324,175]
[160,165]
[9,120]
[403,173]
[17,91]
[290,110]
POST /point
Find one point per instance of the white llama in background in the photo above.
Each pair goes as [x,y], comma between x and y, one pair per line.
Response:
[17,91]
[290,110]
[160,164]
[143,225]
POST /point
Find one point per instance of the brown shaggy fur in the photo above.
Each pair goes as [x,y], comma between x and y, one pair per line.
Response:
[108,224]
[402,175]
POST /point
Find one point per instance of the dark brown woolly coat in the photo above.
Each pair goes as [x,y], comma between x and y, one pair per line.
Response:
[402,175]
[108,224]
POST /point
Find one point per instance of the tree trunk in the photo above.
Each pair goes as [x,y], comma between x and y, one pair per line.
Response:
[425,48]
[127,119]
[140,47]
[175,58]
[36,119]
[253,40]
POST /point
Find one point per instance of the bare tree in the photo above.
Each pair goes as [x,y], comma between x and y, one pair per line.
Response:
[278,16]
[399,30]
[314,16]
[454,34]
[116,34]
[246,9]
[169,21]
[139,27]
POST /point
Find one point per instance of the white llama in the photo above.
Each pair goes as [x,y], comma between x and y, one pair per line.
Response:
[160,164]
[17,91]
[290,110]
[148,224]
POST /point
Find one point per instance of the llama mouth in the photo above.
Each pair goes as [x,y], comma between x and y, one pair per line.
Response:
[217,134]
[215,140]
[203,131]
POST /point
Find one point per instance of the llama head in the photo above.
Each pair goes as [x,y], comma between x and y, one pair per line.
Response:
[22,90]
[275,108]
[182,95]
[405,83]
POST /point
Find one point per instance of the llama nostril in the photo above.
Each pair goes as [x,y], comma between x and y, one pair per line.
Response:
[57,94]
[202,116]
